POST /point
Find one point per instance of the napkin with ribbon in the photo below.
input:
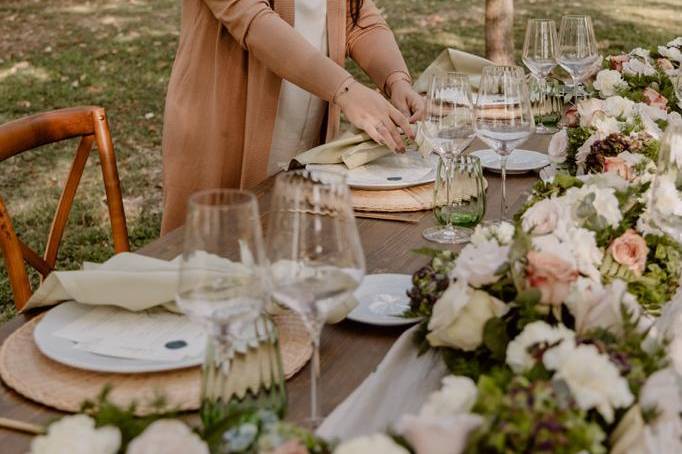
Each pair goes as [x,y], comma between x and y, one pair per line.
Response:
[134,282]
[453,60]
[351,148]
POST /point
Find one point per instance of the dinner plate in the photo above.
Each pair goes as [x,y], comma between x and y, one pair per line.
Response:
[519,161]
[381,300]
[65,352]
[394,171]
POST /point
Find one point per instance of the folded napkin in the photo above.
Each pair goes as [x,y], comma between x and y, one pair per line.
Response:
[351,148]
[136,283]
[400,385]
[452,60]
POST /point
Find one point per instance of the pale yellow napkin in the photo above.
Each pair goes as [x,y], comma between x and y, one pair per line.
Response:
[351,148]
[452,60]
[136,283]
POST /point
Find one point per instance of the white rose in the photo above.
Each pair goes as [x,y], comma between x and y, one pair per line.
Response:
[543,217]
[372,444]
[502,232]
[666,197]
[537,333]
[457,395]
[632,435]
[438,435]
[677,42]
[77,435]
[167,436]
[671,53]
[605,180]
[608,82]
[594,380]
[617,106]
[636,67]
[650,126]
[653,112]
[596,306]
[460,315]
[587,108]
[551,244]
[605,202]
[665,438]
[675,117]
[641,53]
[661,393]
[558,147]
[588,256]
[478,264]
[605,124]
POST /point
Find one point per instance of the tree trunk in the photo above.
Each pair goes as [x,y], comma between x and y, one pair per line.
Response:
[499,37]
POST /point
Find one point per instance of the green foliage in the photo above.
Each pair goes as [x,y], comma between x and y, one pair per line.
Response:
[524,416]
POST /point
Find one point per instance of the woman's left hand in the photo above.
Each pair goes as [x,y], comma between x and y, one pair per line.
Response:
[408,101]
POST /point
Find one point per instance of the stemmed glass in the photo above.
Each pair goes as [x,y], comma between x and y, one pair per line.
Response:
[540,52]
[578,52]
[503,116]
[315,253]
[666,193]
[449,128]
[224,285]
[677,83]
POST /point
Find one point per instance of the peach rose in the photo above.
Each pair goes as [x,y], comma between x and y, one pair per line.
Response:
[551,275]
[665,64]
[616,61]
[630,249]
[571,117]
[655,99]
[618,166]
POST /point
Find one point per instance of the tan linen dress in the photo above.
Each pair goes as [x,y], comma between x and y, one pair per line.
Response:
[224,87]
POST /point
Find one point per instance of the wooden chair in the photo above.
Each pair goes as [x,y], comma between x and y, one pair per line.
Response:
[89,123]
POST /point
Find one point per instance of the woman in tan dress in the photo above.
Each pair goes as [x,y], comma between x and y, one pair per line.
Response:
[255,82]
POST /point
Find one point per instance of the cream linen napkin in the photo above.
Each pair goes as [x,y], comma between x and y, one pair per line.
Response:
[452,60]
[134,282]
[400,385]
[351,148]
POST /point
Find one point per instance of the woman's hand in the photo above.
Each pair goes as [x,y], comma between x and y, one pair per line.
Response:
[368,110]
[408,101]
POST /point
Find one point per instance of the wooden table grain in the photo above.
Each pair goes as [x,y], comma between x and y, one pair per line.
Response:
[349,351]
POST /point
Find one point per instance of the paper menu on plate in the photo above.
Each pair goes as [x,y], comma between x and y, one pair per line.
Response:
[153,335]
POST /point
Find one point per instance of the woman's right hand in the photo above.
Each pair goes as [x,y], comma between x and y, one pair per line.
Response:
[366,109]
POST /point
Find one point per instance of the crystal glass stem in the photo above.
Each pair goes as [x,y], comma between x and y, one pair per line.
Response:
[503,168]
[315,415]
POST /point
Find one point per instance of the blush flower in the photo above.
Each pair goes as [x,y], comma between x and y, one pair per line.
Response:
[630,250]
[618,166]
[654,98]
[551,275]
[616,61]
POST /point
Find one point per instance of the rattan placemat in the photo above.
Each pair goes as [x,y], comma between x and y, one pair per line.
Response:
[416,198]
[26,370]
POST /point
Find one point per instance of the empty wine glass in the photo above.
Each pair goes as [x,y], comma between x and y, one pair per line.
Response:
[449,128]
[540,52]
[666,194]
[224,285]
[578,52]
[315,253]
[503,116]
[677,83]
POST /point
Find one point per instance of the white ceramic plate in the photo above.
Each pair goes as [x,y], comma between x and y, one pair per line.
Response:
[64,351]
[381,300]
[394,171]
[520,161]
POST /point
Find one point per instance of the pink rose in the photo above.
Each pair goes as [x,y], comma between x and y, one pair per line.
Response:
[630,249]
[618,166]
[290,447]
[665,64]
[571,117]
[655,99]
[616,61]
[551,275]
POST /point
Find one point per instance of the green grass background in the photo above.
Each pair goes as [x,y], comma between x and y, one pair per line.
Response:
[118,54]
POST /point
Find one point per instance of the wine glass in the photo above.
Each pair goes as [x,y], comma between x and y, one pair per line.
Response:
[315,253]
[666,193]
[677,83]
[540,51]
[449,128]
[503,116]
[224,285]
[578,52]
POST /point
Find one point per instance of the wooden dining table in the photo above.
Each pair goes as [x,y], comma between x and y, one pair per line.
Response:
[350,351]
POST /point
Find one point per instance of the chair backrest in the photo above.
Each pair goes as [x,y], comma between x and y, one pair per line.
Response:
[89,123]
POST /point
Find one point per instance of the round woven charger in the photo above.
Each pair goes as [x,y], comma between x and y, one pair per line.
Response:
[416,198]
[30,373]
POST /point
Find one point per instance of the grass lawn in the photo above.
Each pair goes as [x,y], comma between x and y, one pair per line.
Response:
[118,54]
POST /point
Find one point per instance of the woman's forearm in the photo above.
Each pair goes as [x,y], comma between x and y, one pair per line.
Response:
[279,47]
[372,45]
